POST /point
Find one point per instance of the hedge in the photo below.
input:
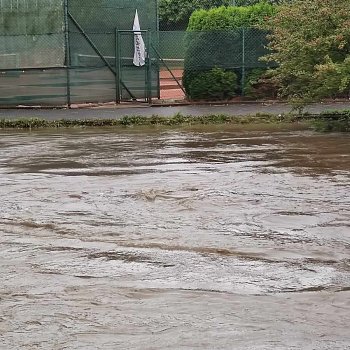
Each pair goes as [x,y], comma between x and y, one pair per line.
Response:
[175,14]
[215,84]
[230,18]
[214,40]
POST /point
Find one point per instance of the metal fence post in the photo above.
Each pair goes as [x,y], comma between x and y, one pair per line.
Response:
[243,62]
[67,52]
[158,40]
[149,63]
[117,67]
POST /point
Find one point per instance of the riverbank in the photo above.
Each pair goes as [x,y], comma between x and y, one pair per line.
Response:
[119,111]
[325,121]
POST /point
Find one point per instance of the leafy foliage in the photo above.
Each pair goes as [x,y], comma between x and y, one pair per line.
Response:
[333,121]
[154,120]
[215,84]
[215,38]
[174,14]
[229,18]
[206,50]
[258,85]
[253,2]
[310,42]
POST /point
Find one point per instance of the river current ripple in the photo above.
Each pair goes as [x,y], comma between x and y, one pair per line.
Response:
[207,237]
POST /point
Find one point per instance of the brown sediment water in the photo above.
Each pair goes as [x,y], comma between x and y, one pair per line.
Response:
[196,238]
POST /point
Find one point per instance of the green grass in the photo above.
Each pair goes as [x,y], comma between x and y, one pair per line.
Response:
[330,121]
[333,121]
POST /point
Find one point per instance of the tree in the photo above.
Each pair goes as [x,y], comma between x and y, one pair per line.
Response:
[214,40]
[310,42]
[254,2]
[174,14]
[231,18]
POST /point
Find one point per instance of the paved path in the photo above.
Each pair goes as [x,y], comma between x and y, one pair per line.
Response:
[196,110]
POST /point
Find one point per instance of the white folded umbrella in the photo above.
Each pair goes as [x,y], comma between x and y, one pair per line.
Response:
[140,50]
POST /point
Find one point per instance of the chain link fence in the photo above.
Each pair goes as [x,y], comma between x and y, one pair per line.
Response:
[195,52]
[58,52]
[31,34]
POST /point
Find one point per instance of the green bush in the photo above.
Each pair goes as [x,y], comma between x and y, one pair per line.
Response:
[215,39]
[232,17]
[174,14]
[215,84]
[310,43]
[333,121]
[206,50]
[257,84]
[253,2]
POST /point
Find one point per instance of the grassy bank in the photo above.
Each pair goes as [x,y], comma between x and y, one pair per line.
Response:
[332,122]
[329,121]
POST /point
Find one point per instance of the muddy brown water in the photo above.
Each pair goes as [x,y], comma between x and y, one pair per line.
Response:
[197,238]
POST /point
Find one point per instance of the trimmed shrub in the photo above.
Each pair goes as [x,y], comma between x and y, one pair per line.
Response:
[206,50]
[215,38]
[215,84]
[175,14]
[230,18]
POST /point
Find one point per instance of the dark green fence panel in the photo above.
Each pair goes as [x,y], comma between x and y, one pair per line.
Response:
[54,52]
[136,82]
[92,85]
[31,34]
[38,35]
[33,87]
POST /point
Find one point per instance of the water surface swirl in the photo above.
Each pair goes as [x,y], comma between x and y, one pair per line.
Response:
[195,238]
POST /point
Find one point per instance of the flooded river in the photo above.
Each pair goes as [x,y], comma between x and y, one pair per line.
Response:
[196,238]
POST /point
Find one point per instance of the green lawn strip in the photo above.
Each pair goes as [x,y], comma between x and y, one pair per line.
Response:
[327,121]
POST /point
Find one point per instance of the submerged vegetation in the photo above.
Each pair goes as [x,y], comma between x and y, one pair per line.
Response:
[333,122]
[328,121]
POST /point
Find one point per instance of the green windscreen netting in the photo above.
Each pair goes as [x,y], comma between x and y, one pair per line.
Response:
[32,50]
[56,52]
[99,19]
[232,49]
[93,29]
[31,34]
[51,54]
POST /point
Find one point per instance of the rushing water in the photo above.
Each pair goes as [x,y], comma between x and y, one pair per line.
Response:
[202,238]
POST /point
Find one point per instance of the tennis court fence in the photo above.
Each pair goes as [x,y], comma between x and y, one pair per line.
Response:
[65,52]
